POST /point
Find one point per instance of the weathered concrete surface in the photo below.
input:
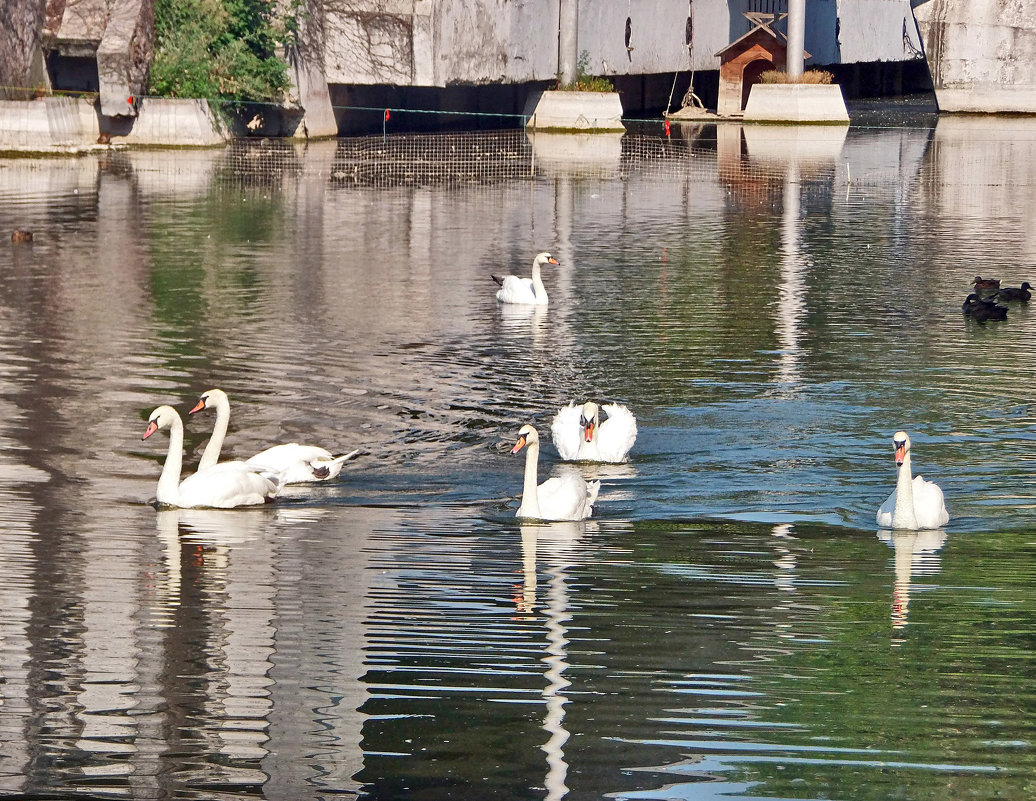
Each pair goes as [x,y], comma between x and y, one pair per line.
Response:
[124,56]
[443,42]
[119,36]
[20,31]
[574,111]
[981,53]
[71,125]
[796,102]
[308,75]
[50,124]
[164,121]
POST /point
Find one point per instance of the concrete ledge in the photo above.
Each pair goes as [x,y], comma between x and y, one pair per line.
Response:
[45,125]
[796,102]
[558,110]
[72,125]
[987,99]
[168,122]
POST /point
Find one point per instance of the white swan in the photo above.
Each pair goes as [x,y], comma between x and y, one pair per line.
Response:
[579,435]
[294,463]
[914,503]
[565,497]
[223,486]
[529,291]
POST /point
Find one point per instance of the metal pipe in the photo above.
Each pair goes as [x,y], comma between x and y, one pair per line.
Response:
[796,37]
[568,42]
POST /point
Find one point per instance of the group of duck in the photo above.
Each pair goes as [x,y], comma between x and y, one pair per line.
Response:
[587,432]
[985,302]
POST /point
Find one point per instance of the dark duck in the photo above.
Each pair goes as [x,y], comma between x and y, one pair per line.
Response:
[982,310]
[1009,293]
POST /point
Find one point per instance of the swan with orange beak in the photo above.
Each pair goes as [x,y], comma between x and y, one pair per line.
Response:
[581,436]
[564,497]
[914,504]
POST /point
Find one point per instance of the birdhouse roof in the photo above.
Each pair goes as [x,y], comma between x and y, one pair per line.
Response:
[764,32]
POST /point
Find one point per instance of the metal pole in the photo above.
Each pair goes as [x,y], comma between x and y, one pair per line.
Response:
[796,36]
[568,42]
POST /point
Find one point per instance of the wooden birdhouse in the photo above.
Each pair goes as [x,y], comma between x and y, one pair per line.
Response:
[744,60]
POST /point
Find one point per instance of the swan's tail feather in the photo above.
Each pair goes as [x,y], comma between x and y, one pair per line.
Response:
[592,488]
[499,279]
[331,468]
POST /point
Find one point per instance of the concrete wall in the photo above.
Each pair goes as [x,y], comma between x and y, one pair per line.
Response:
[19,44]
[442,42]
[981,53]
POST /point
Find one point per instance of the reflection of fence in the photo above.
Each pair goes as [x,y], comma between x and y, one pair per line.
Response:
[489,157]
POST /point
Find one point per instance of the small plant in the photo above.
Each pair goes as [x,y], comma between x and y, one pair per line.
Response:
[809,76]
[584,81]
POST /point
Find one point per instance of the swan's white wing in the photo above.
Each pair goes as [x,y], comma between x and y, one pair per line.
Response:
[224,486]
[518,290]
[567,497]
[617,433]
[298,464]
[929,505]
[566,432]
[885,511]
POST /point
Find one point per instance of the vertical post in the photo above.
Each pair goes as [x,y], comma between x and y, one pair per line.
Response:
[568,41]
[796,36]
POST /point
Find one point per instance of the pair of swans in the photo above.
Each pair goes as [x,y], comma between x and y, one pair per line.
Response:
[527,291]
[914,504]
[226,485]
[580,436]
[564,497]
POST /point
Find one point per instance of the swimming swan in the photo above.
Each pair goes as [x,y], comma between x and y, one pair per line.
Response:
[296,464]
[565,497]
[529,291]
[579,435]
[915,503]
[223,486]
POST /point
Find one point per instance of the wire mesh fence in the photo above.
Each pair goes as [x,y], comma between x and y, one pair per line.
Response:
[488,157]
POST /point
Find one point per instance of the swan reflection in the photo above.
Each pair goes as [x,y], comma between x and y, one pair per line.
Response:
[786,561]
[517,319]
[556,543]
[917,553]
[229,557]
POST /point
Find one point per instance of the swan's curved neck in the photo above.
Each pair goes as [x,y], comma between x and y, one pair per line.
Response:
[169,481]
[537,281]
[210,455]
[530,500]
[903,515]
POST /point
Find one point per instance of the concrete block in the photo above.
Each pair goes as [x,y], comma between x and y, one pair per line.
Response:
[47,125]
[559,110]
[796,102]
[163,121]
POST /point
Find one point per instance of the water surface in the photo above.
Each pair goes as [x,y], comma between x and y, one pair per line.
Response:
[773,304]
